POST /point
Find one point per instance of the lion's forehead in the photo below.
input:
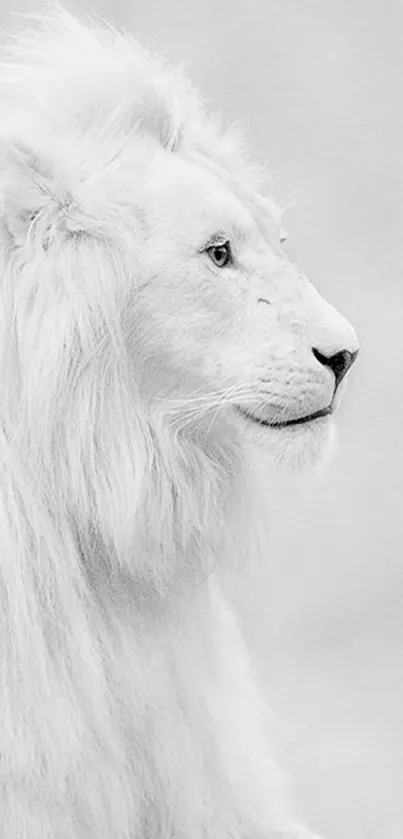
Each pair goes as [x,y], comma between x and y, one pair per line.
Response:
[201,201]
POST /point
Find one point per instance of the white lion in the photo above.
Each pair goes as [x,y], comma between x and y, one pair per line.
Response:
[157,349]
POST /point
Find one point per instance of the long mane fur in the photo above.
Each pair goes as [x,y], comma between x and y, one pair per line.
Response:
[127,706]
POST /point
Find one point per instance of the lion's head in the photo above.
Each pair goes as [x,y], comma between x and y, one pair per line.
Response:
[224,304]
[146,295]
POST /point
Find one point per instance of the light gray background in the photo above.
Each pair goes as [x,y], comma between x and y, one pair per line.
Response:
[318,86]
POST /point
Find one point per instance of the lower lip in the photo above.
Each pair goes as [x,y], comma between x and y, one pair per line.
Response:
[290,423]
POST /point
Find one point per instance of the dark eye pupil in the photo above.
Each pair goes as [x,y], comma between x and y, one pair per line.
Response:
[220,254]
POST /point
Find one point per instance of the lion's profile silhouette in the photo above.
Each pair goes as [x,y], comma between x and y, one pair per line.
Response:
[157,350]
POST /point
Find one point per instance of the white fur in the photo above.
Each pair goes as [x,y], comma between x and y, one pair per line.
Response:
[128,480]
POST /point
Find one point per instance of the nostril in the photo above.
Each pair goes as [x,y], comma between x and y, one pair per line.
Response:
[339,363]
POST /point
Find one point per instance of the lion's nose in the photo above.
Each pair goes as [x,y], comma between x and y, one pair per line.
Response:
[339,363]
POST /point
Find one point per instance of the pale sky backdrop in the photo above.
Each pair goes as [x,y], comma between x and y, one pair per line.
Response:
[318,85]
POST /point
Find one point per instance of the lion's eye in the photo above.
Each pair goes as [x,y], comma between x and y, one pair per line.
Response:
[220,254]
[283,237]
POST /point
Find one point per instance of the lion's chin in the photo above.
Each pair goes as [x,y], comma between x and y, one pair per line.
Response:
[297,445]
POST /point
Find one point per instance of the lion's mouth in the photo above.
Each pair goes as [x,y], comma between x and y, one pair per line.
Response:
[324,412]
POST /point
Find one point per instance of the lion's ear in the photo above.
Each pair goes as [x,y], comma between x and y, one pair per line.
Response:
[25,187]
[36,197]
